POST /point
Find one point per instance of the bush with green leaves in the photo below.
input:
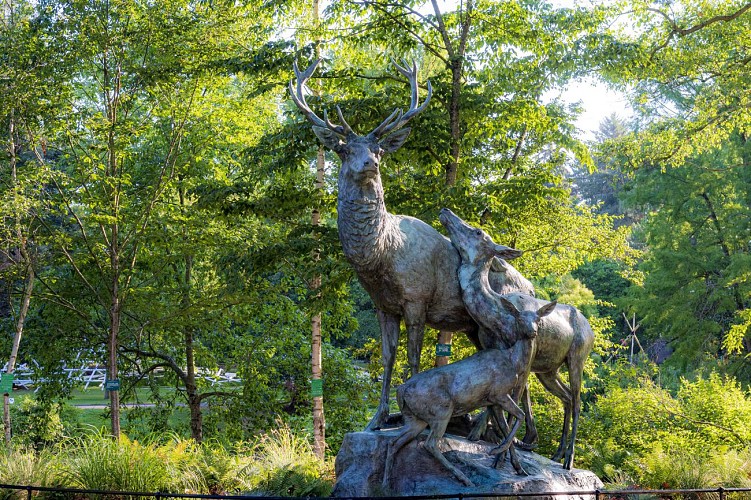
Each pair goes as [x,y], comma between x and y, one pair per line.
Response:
[280,463]
[696,437]
[36,422]
[286,466]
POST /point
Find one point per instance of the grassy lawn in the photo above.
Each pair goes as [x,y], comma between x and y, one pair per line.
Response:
[91,408]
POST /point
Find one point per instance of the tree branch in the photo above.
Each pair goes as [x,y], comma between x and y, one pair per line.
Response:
[704,422]
[676,30]
[169,360]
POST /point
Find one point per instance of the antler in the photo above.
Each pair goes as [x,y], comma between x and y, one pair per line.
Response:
[298,96]
[397,118]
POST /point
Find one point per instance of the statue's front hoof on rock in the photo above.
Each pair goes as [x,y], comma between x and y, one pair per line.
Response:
[361,462]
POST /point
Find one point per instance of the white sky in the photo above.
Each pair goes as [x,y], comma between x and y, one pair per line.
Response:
[597,102]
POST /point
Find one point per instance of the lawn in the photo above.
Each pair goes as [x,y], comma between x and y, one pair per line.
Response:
[91,409]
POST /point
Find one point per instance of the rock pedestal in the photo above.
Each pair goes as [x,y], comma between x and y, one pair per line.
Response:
[361,461]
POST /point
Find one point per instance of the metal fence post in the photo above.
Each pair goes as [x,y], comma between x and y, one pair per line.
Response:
[721,491]
[28,492]
[597,494]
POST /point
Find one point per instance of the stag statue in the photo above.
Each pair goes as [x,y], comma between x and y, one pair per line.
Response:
[406,266]
[564,335]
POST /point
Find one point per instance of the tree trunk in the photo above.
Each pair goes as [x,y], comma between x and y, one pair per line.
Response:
[452,168]
[444,338]
[191,387]
[455,143]
[28,282]
[319,421]
[456,65]
[196,416]
[112,355]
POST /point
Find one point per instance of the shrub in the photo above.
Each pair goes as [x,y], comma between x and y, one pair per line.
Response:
[285,465]
[675,464]
[99,462]
[36,423]
[695,439]
[26,467]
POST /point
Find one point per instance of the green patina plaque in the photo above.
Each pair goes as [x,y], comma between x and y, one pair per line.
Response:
[6,383]
[443,350]
[112,385]
[316,387]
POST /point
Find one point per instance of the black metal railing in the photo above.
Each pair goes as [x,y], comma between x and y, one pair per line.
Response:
[7,490]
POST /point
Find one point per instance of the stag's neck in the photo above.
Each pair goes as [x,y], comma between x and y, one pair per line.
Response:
[364,225]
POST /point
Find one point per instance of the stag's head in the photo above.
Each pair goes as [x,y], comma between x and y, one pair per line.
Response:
[474,245]
[360,154]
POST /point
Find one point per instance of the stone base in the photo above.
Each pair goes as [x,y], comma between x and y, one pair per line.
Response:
[361,460]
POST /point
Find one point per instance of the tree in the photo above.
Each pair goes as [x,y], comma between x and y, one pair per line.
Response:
[688,67]
[602,187]
[138,83]
[694,289]
[29,89]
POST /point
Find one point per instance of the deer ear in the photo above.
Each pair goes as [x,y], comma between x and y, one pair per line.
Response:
[394,141]
[510,307]
[329,138]
[546,309]
[498,265]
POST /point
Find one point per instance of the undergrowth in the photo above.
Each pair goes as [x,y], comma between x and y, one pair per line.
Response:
[278,464]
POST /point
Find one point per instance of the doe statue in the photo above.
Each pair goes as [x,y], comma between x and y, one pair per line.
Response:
[563,337]
[494,376]
[407,267]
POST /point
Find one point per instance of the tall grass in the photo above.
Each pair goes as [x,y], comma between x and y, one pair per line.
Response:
[279,464]
[26,467]
[98,462]
[685,468]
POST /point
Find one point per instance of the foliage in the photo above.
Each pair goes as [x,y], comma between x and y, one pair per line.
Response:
[37,423]
[26,466]
[674,464]
[279,463]
[287,467]
[696,289]
[695,438]
[686,64]
[102,463]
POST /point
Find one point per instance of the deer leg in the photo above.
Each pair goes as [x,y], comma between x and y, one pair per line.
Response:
[474,337]
[530,434]
[553,383]
[496,412]
[389,340]
[479,426]
[575,378]
[514,411]
[412,429]
[437,429]
[414,319]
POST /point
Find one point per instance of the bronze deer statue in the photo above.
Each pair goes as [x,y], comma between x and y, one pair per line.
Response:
[563,337]
[406,266]
[494,376]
